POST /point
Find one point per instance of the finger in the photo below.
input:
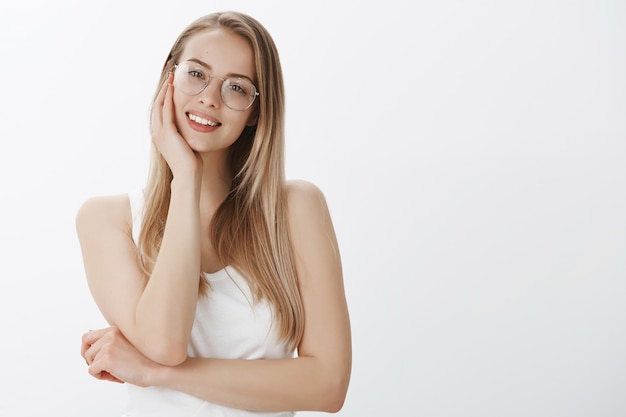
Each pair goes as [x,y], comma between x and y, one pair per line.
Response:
[95,353]
[168,81]
[105,376]
[101,362]
[98,373]
[168,102]
[91,351]
[160,99]
[90,337]
[94,340]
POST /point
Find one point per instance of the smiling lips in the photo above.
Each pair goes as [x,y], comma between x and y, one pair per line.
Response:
[202,121]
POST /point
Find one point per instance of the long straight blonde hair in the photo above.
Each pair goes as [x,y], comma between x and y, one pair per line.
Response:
[249,231]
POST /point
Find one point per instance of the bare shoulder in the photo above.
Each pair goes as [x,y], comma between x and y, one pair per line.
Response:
[104,211]
[304,199]
[307,211]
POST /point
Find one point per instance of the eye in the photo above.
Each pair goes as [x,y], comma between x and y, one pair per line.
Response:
[238,86]
[196,73]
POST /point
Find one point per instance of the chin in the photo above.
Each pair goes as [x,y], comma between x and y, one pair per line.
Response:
[204,145]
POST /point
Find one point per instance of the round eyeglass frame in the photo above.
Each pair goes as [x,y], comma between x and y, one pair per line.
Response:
[223,80]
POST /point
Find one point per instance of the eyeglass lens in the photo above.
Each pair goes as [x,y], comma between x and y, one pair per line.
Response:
[237,93]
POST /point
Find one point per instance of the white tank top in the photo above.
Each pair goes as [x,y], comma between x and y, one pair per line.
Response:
[228,325]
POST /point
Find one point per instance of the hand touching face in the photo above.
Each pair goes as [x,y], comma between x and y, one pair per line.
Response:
[205,122]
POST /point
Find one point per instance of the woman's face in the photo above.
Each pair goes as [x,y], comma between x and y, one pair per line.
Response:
[204,120]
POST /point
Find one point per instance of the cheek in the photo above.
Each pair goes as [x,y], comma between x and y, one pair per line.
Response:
[179,102]
[238,120]
[179,99]
[252,116]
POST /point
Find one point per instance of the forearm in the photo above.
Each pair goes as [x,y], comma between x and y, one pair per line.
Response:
[165,311]
[293,384]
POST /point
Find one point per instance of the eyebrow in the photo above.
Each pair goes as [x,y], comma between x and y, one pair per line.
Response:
[207,66]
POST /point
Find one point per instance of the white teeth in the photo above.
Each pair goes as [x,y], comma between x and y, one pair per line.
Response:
[202,121]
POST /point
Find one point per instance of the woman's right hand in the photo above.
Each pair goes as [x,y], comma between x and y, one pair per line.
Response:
[165,136]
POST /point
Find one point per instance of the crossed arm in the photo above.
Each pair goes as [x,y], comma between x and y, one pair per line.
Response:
[150,323]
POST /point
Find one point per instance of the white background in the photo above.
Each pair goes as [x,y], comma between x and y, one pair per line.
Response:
[472,154]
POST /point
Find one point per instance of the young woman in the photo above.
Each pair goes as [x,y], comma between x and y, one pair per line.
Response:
[221,281]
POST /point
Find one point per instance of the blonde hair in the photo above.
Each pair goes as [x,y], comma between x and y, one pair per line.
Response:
[249,231]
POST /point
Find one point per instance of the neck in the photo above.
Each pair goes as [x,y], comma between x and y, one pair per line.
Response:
[216,181]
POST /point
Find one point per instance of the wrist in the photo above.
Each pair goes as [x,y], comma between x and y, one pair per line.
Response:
[188,171]
[188,181]
[158,375]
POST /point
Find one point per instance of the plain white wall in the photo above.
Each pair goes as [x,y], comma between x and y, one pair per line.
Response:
[472,154]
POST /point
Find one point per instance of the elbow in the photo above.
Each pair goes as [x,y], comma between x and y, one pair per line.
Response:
[171,360]
[169,354]
[335,401]
[160,346]
[334,395]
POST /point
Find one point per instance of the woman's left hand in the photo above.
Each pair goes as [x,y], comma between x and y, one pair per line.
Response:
[111,357]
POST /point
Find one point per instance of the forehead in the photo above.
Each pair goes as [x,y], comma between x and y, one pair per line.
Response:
[223,50]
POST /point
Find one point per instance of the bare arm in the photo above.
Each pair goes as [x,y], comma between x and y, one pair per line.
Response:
[316,380]
[156,317]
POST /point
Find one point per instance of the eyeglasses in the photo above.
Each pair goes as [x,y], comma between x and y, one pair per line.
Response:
[237,93]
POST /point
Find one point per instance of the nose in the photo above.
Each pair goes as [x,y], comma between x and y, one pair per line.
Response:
[212,93]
